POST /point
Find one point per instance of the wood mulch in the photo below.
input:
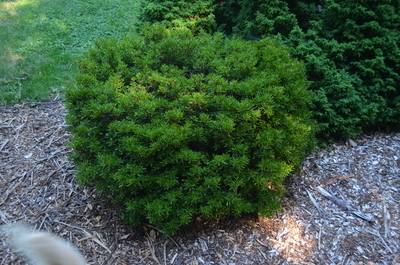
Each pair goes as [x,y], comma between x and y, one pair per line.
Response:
[343,208]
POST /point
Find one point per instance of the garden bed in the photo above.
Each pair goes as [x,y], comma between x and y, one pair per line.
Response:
[37,188]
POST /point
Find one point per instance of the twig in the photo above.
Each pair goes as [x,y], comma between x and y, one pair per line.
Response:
[4,144]
[11,190]
[98,241]
[376,233]
[262,244]
[385,221]
[173,258]
[334,180]
[55,153]
[52,137]
[319,238]
[315,202]
[88,235]
[153,254]
[158,229]
[110,258]
[3,217]
[165,252]
[343,205]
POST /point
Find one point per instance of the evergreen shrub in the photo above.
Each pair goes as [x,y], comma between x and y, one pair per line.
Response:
[197,15]
[252,19]
[175,126]
[351,49]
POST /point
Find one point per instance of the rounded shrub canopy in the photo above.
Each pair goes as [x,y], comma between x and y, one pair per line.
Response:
[175,126]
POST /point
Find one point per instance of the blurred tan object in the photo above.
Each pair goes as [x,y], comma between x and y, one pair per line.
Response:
[42,248]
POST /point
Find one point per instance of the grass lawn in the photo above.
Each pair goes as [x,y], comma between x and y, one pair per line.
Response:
[41,41]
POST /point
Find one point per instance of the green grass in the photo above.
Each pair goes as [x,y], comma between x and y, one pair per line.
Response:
[41,41]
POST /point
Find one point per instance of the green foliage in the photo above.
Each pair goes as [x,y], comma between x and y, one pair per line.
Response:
[40,42]
[197,15]
[351,49]
[250,18]
[176,126]
[353,60]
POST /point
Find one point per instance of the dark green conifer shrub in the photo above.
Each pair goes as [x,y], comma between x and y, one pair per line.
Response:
[353,57]
[252,19]
[351,49]
[175,126]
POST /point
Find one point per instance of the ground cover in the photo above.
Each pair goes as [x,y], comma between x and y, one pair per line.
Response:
[41,41]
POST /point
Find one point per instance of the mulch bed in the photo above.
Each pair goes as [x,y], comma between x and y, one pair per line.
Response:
[358,224]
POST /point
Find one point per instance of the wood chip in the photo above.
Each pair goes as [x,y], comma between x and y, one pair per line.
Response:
[343,205]
[41,191]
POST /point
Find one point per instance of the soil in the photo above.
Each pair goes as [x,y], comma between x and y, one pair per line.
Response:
[342,208]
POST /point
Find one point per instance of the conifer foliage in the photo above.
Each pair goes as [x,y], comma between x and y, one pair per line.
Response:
[196,14]
[175,126]
[351,49]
